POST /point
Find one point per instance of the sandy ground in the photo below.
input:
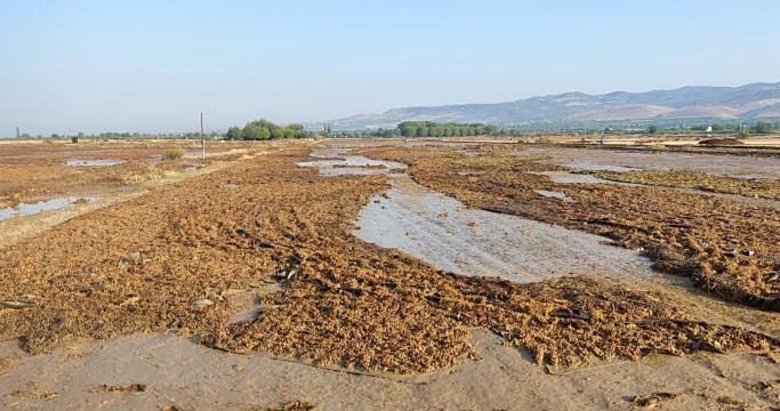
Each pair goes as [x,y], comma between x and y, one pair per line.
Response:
[159,370]
[154,372]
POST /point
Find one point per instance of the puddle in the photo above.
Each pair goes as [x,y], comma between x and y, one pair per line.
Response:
[350,165]
[93,163]
[25,209]
[593,166]
[563,177]
[554,194]
[443,232]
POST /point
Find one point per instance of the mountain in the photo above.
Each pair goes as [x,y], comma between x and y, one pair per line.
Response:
[749,102]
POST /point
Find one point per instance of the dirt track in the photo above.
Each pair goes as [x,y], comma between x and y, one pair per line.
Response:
[259,257]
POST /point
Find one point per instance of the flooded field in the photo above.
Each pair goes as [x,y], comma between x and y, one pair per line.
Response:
[623,160]
[339,274]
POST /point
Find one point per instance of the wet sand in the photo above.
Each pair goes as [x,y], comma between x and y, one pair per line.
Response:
[173,371]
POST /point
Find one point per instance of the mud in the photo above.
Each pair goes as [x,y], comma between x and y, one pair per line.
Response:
[737,166]
[144,266]
[334,163]
[448,235]
[565,177]
[259,258]
[445,233]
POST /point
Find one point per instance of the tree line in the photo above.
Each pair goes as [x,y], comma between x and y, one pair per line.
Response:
[743,129]
[265,130]
[432,129]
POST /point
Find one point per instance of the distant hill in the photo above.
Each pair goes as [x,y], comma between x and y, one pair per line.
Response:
[749,102]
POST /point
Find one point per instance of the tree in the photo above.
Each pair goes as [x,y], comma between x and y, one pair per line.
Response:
[234,133]
[653,129]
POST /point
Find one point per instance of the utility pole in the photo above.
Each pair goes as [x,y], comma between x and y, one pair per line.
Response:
[202,139]
[17,133]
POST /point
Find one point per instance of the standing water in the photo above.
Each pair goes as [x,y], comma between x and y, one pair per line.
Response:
[93,163]
[443,232]
[25,209]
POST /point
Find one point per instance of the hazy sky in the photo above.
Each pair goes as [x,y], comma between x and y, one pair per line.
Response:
[68,66]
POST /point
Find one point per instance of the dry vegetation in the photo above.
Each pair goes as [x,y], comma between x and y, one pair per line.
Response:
[33,171]
[178,258]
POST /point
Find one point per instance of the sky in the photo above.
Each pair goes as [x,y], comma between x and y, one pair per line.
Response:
[153,66]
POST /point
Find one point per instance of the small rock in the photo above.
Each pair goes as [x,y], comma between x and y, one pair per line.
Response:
[202,303]
[16,305]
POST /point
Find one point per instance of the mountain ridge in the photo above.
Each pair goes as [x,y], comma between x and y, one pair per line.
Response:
[750,102]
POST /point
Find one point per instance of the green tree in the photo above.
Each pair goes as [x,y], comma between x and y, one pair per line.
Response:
[234,133]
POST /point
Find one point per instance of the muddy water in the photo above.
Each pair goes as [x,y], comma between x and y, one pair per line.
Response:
[445,233]
[93,163]
[25,209]
[583,165]
[350,165]
[563,177]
